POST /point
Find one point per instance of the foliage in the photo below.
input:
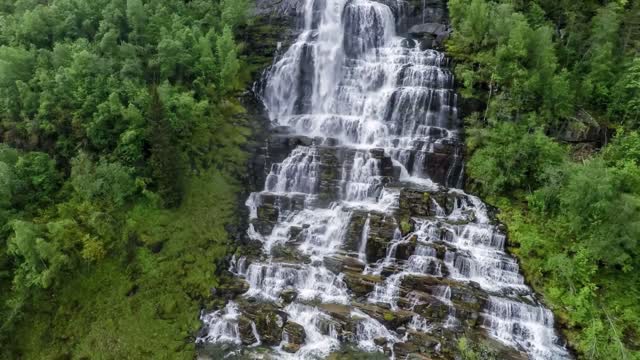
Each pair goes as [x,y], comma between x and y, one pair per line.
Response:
[543,68]
[473,351]
[147,305]
[511,157]
[116,116]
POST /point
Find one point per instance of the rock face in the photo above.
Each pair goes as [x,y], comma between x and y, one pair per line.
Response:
[360,244]
[432,35]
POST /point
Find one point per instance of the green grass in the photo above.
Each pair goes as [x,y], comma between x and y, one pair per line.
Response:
[143,304]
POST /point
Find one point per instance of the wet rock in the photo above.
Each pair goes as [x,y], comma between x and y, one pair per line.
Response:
[420,346]
[330,174]
[469,297]
[380,341]
[432,35]
[337,311]
[232,288]
[291,348]
[333,264]
[267,218]
[295,336]
[287,252]
[330,142]
[338,264]
[295,141]
[444,167]
[361,284]
[433,309]
[245,330]
[269,207]
[294,233]
[353,237]
[404,250]
[433,29]
[415,203]
[269,321]
[330,326]
[382,229]
[412,12]
[390,318]
[288,295]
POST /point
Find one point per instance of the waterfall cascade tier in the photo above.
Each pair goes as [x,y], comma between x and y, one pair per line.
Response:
[365,244]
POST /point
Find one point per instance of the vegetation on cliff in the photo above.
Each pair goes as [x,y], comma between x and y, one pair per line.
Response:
[558,78]
[121,149]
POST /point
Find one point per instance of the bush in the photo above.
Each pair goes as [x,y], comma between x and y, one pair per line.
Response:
[511,157]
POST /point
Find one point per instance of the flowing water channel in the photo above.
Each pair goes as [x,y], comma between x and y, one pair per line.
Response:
[366,241]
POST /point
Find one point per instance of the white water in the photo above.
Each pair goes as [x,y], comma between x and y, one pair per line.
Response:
[223,325]
[383,100]
[362,254]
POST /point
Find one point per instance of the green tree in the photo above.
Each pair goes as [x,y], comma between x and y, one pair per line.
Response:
[234,12]
[512,158]
[603,59]
[40,262]
[228,63]
[136,15]
[107,183]
[165,161]
[38,180]
[625,106]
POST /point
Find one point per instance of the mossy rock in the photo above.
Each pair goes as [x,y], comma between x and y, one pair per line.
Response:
[361,284]
[269,322]
[246,331]
[295,333]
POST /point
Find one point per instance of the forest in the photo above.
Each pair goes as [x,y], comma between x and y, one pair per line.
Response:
[557,150]
[116,118]
[122,156]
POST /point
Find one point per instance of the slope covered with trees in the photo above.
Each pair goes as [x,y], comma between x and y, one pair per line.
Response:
[120,132]
[555,145]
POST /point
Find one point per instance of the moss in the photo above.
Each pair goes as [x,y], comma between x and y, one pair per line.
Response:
[389,316]
[405,226]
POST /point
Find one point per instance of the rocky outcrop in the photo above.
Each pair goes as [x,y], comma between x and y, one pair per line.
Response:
[431,35]
[269,322]
[412,12]
[245,327]
[294,336]
[361,284]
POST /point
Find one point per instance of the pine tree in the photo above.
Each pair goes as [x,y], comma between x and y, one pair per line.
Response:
[165,162]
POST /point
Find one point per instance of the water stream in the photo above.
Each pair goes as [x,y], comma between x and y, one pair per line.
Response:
[381,118]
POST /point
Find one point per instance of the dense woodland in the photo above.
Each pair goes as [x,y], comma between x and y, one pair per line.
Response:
[551,73]
[121,153]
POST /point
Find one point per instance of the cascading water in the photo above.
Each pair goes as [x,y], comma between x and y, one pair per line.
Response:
[361,243]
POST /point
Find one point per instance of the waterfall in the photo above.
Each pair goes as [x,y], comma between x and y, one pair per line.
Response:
[363,243]
[362,250]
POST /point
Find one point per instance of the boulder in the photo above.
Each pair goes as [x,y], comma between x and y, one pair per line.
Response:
[382,229]
[267,218]
[433,29]
[245,330]
[340,263]
[294,335]
[415,203]
[432,34]
[390,318]
[269,321]
[353,236]
[361,284]
[288,295]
